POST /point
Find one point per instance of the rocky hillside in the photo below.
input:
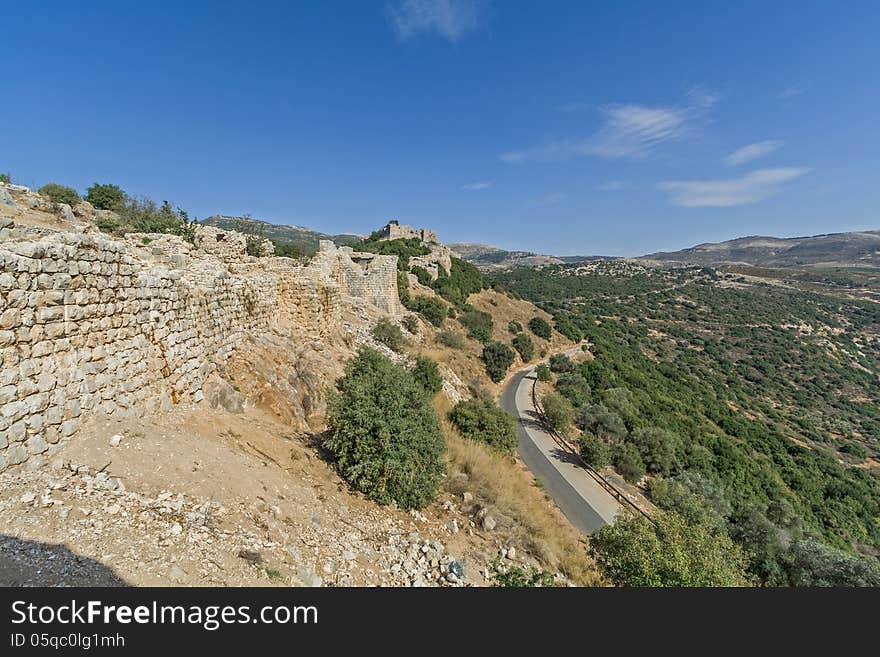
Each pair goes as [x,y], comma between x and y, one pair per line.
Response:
[282,234]
[857,249]
[488,257]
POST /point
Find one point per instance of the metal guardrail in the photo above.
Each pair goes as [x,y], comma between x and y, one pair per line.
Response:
[610,488]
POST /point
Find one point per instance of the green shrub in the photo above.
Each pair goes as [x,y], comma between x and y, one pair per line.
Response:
[431,308]
[145,216]
[422,275]
[404,249]
[540,327]
[628,462]
[451,313]
[594,450]
[411,324]
[498,357]
[543,372]
[389,334]
[854,449]
[632,552]
[5,178]
[482,420]
[508,575]
[106,197]
[514,327]
[426,373]
[524,345]
[384,433]
[812,563]
[457,285]
[59,193]
[574,388]
[478,323]
[657,449]
[451,340]
[561,363]
[558,413]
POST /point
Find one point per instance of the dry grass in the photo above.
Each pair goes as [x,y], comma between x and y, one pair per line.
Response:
[526,517]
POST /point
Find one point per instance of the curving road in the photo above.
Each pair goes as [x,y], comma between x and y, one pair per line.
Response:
[584,502]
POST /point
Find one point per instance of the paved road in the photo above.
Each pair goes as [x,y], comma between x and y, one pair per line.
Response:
[584,502]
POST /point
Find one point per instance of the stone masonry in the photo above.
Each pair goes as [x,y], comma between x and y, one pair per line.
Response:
[94,324]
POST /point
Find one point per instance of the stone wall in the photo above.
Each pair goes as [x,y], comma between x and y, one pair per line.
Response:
[94,324]
[393,231]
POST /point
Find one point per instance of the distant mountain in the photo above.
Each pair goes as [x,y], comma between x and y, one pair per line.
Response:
[488,257]
[279,233]
[834,249]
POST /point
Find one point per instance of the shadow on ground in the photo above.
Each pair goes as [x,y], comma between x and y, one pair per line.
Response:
[31,563]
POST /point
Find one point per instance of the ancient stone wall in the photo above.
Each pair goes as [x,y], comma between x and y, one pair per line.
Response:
[393,231]
[93,324]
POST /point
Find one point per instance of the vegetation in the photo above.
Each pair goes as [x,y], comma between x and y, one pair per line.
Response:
[451,340]
[514,327]
[509,575]
[59,193]
[594,450]
[478,323]
[431,308]
[422,275]
[540,327]
[384,433]
[411,324]
[498,357]
[458,284]
[561,363]
[543,372]
[404,249]
[106,196]
[145,216]
[558,412]
[524,345]
[427,375]
[482,420]
[632,552]
[741,398]
[389,334]
[5,178]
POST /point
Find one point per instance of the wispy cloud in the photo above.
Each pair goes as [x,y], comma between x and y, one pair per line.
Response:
[753,152]
[791,91]
[745,190]
[477,186]
[450,19]
[612,186]
[628,131]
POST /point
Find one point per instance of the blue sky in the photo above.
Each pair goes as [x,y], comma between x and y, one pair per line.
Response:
[615,128]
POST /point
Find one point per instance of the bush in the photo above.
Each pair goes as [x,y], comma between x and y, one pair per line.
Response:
[543,372]
[426,373]
[145,216]
[404,249]
[508,575]
[597,419]
[478,324]
[5,178]
[632,552]
[594,450]
[558,413]
[458,284]
[422,275]
[411,324]
[524,345]
[540,327]
[389,334]
[482,420]
[854,449]
[59,193]
[514,327]
[105,197]
[498,357]
[431,308]
[628,462]
[561,363]
[403,287]
[812,563]
[657,449]
[574,388]
[384,433]
[451,340]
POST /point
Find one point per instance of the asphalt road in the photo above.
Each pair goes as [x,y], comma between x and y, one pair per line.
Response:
[584,502]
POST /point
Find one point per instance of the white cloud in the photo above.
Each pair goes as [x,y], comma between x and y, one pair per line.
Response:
[753,152]
[451,19]
[745,190]
[628,131]
[791,92]
[612,186]
[476,186]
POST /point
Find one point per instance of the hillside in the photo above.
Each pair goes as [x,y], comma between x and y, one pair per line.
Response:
[488,257]
[279,233]
[856,249]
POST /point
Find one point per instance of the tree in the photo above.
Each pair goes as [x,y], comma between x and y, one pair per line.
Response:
[813,563]
[422,275]
[482,420]
[498,357]
[106,197]
[657,448]
[594,450]
[628,462]
[384,433]
[514,327]
[426,373]
[561,363]
[543,372]
[631,552]
[59,193]
[558,413]
[524,345]
[574,388]
[540,327]
[389,334]
[431,308]
[597,419]
[5,178]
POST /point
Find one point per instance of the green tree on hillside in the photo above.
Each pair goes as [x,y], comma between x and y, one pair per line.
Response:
[106,197]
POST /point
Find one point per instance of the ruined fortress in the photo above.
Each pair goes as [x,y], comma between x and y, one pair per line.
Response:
[439,257]
[91,323]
